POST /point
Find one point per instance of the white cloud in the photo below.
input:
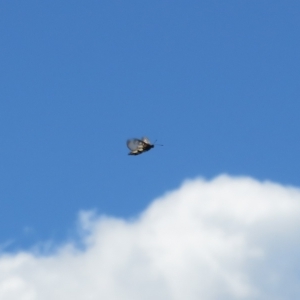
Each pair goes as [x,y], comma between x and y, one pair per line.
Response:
[229,238]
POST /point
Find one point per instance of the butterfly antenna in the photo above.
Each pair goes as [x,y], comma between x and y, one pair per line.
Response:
[157,144]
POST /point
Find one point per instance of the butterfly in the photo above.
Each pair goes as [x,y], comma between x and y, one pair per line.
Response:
[138,146]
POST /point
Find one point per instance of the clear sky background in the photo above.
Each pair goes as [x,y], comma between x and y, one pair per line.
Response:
[216,82]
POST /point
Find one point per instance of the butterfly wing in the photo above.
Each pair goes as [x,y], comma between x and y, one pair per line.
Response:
[136,146]
[146,140]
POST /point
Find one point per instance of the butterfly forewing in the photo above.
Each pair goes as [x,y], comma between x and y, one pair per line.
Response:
[135,144]
[146,140]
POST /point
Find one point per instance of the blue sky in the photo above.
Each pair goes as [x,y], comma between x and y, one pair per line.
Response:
[217,82]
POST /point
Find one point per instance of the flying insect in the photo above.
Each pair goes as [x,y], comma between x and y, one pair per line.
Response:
[138,146]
